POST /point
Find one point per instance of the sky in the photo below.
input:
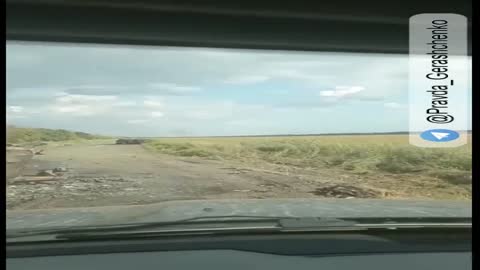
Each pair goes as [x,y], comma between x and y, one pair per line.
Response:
[169,91]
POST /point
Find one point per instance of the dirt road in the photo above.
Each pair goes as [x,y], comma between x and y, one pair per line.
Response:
[109,174]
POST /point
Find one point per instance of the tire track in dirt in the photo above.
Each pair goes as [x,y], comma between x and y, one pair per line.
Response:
[109,174]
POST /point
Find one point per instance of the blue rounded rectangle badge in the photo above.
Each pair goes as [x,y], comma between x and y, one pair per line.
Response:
[439,80]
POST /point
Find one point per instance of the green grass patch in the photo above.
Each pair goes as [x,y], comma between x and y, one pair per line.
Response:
[183,149]
[17,135]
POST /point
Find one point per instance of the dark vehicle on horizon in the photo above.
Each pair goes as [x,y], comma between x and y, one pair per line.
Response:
[130,141]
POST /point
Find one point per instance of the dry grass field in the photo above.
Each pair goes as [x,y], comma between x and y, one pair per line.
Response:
[378,159]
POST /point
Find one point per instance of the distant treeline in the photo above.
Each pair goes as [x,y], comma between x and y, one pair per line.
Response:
[297,135]
[23,135]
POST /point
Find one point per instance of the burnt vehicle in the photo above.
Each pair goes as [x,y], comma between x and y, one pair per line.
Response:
[130,141]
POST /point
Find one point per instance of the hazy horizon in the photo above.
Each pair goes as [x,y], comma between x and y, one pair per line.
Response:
[242,135]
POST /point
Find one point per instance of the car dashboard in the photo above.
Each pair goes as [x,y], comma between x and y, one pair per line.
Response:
[233,259]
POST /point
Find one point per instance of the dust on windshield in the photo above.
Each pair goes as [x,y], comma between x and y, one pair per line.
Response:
[118,125]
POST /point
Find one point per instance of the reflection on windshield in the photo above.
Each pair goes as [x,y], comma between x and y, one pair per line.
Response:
[110,126]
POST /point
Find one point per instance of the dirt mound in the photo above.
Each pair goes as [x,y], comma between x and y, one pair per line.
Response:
[344,191]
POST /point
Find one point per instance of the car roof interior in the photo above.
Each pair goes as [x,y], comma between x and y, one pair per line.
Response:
[340,25]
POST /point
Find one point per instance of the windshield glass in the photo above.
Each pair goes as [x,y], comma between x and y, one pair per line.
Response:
[123,126]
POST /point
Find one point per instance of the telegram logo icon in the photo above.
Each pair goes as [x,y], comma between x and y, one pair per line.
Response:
[439,135]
